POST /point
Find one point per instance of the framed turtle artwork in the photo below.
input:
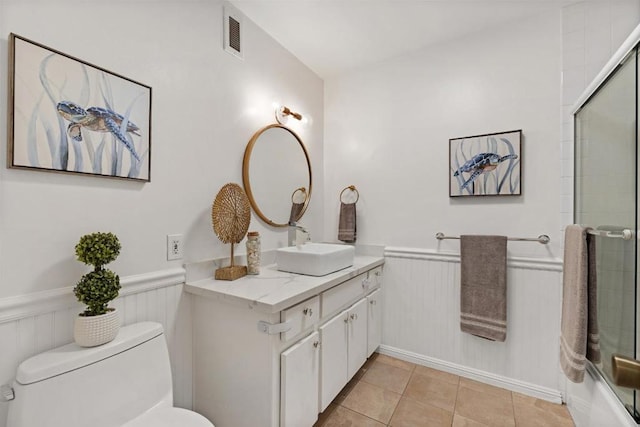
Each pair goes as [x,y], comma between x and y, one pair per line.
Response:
[486,165]
[66,115]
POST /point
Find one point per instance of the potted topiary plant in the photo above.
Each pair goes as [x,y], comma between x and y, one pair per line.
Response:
[99,323]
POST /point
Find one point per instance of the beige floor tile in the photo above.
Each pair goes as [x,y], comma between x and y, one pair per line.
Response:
[533,412]
[440,375]
[387,376]
[410,413]
[460,421]
[382,358]
[484,407]
[373,401]
[485,388]
[431,391]
[345,391]
[343,417]
[322,417]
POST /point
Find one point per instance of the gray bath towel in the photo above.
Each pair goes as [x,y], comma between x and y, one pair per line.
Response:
[483,286]
[579,338]
[347,222]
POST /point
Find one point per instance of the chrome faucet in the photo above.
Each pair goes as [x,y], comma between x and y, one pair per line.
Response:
[298,235]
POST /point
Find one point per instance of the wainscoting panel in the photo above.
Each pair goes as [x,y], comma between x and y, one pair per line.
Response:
[422,314]
[31,324]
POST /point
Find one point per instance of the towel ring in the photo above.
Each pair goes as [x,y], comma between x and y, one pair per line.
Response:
[301,189]
[352,188]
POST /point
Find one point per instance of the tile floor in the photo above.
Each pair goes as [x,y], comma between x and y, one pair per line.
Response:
[391,392]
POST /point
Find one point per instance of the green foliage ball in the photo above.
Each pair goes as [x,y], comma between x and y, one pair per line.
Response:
[96,289]
[98,249]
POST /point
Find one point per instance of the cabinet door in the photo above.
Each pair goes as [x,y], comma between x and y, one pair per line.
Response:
[374,321]
[333,358]
[357,331]
[299,369]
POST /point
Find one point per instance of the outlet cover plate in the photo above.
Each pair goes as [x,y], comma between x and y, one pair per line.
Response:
[174,247]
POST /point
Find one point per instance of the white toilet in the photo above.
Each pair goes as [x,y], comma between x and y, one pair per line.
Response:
[126,382]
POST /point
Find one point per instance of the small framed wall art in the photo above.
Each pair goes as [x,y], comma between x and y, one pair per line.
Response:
[66,115]
[486,165]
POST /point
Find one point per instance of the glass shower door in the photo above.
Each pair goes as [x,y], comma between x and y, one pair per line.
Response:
[606,199]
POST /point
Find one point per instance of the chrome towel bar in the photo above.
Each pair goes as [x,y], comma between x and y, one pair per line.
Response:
[624,234]
[543,238]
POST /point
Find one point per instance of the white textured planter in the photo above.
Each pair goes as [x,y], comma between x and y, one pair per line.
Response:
[90,331]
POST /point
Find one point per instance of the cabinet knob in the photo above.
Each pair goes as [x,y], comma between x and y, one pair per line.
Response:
[346,320]
[354,316]
[372,302]
[307,312]
[316,344]
[366,283]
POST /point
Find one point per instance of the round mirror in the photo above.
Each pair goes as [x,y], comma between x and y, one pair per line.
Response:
[276,174]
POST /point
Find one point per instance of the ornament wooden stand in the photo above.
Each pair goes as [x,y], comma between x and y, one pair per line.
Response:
[230,215]
[232,272]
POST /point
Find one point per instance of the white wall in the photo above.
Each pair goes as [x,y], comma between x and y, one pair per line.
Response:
[206,106]
[387,132]
[388,128]
[421,321]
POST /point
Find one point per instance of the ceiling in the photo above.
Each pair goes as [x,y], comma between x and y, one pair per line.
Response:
[332,36]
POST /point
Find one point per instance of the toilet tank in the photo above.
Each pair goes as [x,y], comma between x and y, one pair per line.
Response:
[102,386]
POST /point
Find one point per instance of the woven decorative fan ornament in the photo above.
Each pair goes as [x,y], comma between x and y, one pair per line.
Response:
[230,215]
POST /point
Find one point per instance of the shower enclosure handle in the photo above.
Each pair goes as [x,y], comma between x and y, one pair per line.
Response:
[625,371]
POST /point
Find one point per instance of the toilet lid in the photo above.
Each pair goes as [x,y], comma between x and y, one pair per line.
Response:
[170,417]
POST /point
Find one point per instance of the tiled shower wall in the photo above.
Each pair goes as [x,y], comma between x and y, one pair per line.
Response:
[591,32]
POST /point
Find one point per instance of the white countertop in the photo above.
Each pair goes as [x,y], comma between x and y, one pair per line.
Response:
[272,291]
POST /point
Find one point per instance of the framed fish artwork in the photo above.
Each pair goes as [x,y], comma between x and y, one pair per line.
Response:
[486,165]
[66,115]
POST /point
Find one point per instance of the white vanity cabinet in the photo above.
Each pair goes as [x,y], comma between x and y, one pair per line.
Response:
[299,388]
[344,350]
[271,350]
[374,321]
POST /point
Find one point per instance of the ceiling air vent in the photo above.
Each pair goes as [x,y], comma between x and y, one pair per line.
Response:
[233,31]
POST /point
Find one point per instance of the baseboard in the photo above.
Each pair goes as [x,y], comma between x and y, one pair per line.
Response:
[528,389]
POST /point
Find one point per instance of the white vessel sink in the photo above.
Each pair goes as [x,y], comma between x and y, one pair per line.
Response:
[314,259]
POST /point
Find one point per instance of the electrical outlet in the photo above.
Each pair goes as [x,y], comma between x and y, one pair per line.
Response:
[174,246]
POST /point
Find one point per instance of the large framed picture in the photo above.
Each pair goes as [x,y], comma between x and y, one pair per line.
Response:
[485,165]
[66,115]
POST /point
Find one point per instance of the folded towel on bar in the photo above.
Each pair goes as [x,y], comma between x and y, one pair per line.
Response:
[483,286]
[347,222]
[296,210]
[579,339]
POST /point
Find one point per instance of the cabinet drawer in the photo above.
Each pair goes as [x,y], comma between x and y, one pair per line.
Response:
[301,317]
[343,295]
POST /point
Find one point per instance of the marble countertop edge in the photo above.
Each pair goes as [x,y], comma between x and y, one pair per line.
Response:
[272,291]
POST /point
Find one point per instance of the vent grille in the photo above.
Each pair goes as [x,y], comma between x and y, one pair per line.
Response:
[232,31]
[234,34]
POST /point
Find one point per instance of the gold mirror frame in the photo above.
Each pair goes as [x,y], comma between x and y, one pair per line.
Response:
[246,182]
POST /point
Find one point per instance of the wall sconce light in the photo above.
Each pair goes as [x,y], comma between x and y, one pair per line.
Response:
[283,113]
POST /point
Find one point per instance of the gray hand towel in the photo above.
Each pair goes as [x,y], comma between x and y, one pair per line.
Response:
[579,327]
[483,286]
[296,210]
[347,223]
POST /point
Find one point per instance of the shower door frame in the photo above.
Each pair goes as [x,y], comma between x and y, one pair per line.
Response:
[630,47]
